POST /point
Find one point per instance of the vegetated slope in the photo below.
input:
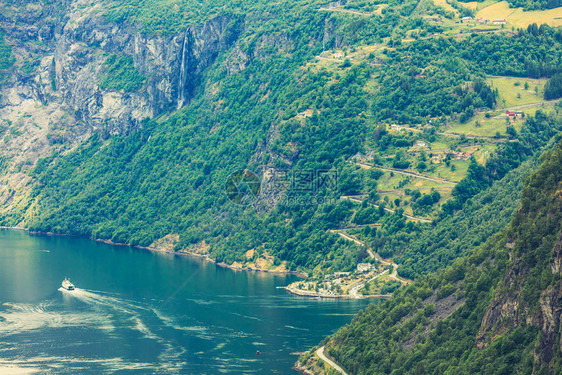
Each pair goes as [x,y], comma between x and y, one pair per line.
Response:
[167,180]
[456,233]
[488,196]
[494,311]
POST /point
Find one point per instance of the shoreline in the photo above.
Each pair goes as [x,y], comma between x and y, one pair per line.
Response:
[328,296]
[163,251]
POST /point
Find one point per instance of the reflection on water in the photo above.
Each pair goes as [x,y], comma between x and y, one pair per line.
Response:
[135,311]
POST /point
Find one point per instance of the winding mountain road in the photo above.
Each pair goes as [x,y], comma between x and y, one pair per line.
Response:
[354,291]
[373,255]
[320,353]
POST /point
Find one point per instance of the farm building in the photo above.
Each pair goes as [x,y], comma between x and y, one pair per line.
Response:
[514,114]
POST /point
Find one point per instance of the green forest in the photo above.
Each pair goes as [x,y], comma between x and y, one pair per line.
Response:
[168,178]
[121,74]
[320,135]
[438,325]
[6,59]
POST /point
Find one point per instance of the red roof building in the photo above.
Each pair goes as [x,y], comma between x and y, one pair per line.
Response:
[514,113]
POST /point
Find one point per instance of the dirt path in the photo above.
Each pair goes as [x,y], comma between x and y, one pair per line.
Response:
[354,198]
[469,136]
[544,103]
[343,10]
[361,226]
[328,59]
[406,173]
[320,353]
[349,238]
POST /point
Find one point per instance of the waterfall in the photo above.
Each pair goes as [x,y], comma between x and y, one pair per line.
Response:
[181,85]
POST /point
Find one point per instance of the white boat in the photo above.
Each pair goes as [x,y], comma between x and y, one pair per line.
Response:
[66,284]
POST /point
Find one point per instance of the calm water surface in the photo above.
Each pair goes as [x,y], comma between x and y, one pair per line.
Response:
[139,312]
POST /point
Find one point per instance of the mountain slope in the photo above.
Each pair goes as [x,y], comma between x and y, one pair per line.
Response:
[158,107]
[495,311]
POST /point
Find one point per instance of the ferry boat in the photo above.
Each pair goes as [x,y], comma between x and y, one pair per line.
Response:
[66,284]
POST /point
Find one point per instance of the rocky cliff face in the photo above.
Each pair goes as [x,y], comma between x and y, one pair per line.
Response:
[77,42]
[531,290]
[52,99]
[509,309]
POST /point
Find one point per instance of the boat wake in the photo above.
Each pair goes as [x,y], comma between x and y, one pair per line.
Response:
[102,317]
[89,331]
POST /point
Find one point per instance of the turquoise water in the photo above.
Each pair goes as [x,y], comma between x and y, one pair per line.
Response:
[135,311]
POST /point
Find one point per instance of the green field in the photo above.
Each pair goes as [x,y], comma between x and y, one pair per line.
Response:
[517,17]
[480,126]
[513,92]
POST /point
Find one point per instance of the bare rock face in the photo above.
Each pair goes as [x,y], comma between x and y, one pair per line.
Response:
[172,64]
[508,309]
[52,99]
[77,43]
[549,320]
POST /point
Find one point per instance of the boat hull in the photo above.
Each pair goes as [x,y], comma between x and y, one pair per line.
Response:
[66,284]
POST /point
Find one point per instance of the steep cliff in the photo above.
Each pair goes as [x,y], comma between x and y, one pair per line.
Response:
[52,99]
[75,41]
[531,291]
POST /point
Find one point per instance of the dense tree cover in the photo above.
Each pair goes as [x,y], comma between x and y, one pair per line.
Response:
[534,4]
[163,17]
[432,326]
[6,57]
[169,177]
[535,230]
[120,74]
[553,88]
[532,52]
[438,92]
[463,10]
[432,80]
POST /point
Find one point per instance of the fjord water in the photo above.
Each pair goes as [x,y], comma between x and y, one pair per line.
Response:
[142,312]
